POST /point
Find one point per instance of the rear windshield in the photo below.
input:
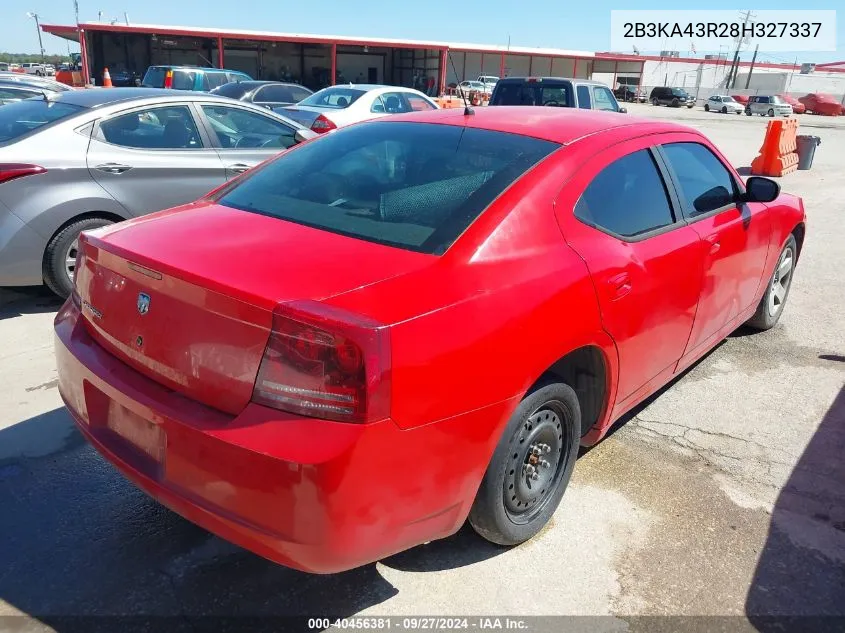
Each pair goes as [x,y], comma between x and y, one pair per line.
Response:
[416,186]
[534,94]
[233,90]
[18,119]
[183,79]
[338,98]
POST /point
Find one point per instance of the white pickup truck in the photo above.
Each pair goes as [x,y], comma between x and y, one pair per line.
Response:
[32,68]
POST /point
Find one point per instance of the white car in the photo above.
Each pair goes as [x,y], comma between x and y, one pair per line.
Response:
[336,106]
[31,68]
[469,86]
[490,81]
[724,104]
[768,106]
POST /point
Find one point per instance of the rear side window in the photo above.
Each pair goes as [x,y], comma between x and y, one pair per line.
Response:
[411,185]
[184,79]
[233,90]
[214,80]
[627,198]
[170,127]
[18,119]
[705,182]
[584,98]
[154,78]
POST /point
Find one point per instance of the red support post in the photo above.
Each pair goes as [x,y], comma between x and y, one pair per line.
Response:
[83,51]
[220,52]
[333,78]
[443,61]
[502,66]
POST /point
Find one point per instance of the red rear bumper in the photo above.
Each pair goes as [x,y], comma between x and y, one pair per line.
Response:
[312,494]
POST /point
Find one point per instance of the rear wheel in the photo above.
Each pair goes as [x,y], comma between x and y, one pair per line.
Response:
[771,112]
[771,305]
[654,102]
[675,103]
[531,467]
[59,267]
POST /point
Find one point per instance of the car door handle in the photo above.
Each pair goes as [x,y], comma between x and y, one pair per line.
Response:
[113,168]
[620,285]
[238,168]
[715,245]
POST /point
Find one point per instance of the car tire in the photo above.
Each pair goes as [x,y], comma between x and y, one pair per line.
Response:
[543,434]
[724,110]
[61,250]
[675,103]
[654,102]
[707,107]
[771,112]
[774,299]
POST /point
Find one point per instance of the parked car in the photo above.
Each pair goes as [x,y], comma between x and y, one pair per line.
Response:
[797,106]
[632,94]
[489,82]
[124,152]
[672,97]
[267,94]
[767,105]
[123,77]
[724,104]
[820,103]
[4,67]
[336,106]
[51,70]
[190,77]
[232,362]
[11,92]
[31,68]
[556,92]
[467,87]
[42,83]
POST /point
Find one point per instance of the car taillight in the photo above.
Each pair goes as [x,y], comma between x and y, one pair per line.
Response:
[10,171]
[168,79]
[322,124]
[325,362]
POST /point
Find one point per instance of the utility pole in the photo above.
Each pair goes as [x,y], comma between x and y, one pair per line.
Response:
[34,16]
[751,69]
[732,74]
[76,10]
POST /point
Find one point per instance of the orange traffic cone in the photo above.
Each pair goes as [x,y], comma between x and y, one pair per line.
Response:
[106,78]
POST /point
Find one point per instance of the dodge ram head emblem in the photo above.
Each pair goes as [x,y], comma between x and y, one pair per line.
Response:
[143,303]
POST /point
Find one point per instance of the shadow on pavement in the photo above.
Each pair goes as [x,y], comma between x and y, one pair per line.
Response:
[799,583]
[82,545]
[27,300]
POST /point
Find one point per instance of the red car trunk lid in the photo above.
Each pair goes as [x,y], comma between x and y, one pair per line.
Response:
[186,296]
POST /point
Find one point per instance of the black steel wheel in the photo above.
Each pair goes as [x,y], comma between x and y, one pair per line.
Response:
[531,467]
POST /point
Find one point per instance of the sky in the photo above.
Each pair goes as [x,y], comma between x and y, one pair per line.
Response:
[542,23]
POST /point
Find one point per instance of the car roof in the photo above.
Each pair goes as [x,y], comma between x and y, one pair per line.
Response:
[559,125]
[98,97]
[541,79]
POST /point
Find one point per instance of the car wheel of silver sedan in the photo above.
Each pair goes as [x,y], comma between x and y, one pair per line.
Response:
[59,267]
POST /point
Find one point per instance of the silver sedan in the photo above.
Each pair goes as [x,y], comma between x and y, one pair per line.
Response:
[82,159]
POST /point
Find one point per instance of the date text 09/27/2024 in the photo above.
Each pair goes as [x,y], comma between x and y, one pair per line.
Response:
[420,623]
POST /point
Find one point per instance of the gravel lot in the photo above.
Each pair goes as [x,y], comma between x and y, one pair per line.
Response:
[724,495]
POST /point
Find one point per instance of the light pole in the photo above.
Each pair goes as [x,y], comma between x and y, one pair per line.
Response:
[34,16]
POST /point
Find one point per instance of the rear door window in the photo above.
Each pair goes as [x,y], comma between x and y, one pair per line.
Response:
[584,99]
[154,78]
[184,79]
[169,127]
[411,185]
[418,104]
[627,198]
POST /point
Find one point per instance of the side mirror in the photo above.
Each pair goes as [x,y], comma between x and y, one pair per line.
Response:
[300,136]
[759,189]
[623,110]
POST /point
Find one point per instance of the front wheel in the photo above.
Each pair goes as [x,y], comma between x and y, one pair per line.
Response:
[707,107]
[59,266]
[531,467]
[771,305]
[724,110]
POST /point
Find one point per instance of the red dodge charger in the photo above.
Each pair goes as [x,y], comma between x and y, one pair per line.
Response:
[379,334]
